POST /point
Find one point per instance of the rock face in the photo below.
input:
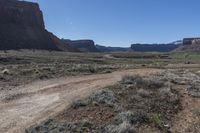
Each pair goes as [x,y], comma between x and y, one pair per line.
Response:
[154,47]
[82,45]
[189,45]
[189,41]
[22,27]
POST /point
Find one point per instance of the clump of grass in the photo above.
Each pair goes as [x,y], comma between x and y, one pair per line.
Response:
[43,73]
[131,102]
[194,89]
[140,82]
[129,79]
[54,126]
[92,69]
[124,127]
[157,121]
[103,97]
[80,103]
[100,97]
[132,118]
[125,121]
[37,71]
[87,68]
[107,71]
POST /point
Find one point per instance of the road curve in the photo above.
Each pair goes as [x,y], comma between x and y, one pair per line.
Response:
[37,101]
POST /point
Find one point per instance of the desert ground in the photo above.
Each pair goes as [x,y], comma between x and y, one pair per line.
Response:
[47,91]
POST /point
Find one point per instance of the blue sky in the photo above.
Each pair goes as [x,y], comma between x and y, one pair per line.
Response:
[122,22]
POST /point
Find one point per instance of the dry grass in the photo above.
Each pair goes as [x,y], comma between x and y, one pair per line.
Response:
[124,107]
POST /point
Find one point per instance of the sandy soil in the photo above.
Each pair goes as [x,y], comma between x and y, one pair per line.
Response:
[35,102]
[186,118]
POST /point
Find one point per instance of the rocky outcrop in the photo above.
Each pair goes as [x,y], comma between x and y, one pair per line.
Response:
[82,45]
[189,41]
[189,48]
[189,45]
[154,47]
[62,45]
[22,27]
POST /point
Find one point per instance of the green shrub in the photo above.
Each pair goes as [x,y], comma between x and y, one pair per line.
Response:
[157,121]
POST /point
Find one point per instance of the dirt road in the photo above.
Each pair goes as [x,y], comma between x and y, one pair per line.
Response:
[37,101]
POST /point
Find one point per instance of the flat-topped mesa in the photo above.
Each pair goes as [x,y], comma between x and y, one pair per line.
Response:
[190,41]
[154,47]
[189,45]
[21,13]
[82,45]
[22,27]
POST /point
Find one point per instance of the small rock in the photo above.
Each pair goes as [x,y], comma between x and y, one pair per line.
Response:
[198,72]
[6,72]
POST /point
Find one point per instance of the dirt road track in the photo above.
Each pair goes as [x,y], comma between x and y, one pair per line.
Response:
[35,102]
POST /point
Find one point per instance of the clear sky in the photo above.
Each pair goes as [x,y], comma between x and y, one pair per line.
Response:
[122,22]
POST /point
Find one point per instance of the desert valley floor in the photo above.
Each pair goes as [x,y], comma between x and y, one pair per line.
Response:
[100,92]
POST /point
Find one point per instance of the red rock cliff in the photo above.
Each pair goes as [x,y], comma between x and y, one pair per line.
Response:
[22,27]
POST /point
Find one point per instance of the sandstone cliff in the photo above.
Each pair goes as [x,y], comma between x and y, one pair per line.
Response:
[22,27]
[154,47]
[189,45]
[82,45]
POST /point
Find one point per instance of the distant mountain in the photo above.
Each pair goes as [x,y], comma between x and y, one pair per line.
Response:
[22,27]
[155,47]
[112,49]
[189,45]
[81,45]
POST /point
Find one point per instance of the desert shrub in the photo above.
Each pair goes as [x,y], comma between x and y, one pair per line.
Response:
[194,89]
[181,77]
[108,71]
[143,93]
[134,101]
[100,97]
[132,118]
[128,79]
[43,76]
[37,71]
[166,90]
[86,68]
[103,97]
[140,82]
[52,126]
[154,83]
[26,72]
[80,127]
[124,127]
[92,69]
[41,73]
[135,98]
[79,103]
[151,95]
[124,122]
[157,121]
[47,69]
